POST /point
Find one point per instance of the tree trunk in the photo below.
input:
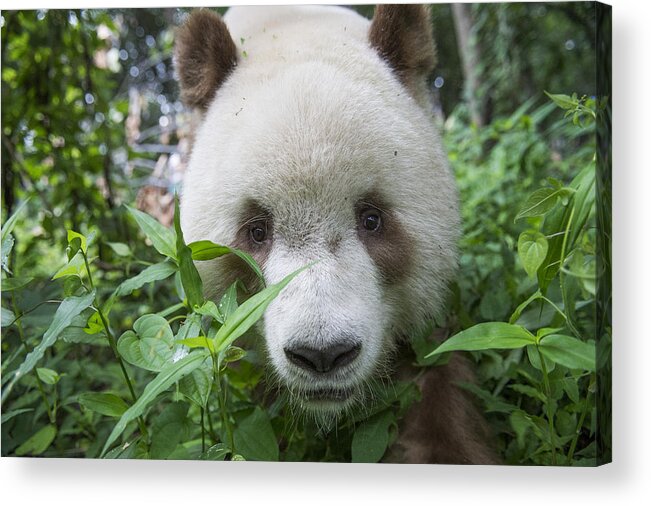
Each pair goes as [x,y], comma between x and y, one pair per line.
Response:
[469,55]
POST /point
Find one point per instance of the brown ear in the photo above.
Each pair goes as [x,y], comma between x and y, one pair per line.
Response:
[204,55]
[402,35]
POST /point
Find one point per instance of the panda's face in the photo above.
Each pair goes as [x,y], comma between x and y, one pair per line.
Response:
[326,161]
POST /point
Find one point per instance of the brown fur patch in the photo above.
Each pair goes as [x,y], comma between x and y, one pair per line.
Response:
[235,267]
[204,55]
[402,35]
[445,426]
[390,247]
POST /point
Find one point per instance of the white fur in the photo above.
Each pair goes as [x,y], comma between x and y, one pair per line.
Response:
[308,122]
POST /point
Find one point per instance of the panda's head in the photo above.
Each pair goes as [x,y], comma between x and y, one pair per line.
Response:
[316,144]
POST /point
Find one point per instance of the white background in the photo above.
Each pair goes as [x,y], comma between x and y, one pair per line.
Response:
[625,482]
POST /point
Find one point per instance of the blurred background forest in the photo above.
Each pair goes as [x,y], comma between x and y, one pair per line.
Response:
[91,120]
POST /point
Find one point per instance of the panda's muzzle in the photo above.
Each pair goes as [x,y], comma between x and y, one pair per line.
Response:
[323,360]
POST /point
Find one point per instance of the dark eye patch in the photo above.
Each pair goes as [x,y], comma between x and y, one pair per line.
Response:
[253,219]
[383,236]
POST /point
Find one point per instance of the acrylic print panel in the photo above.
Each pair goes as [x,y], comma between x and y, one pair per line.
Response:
[392,241]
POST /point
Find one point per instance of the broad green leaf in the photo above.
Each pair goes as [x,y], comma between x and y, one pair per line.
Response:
[65,313]
[209,308]
[161,237]
[487,336]
[39,442]
[532,249]
[534,359]
[120,249]
[233,354]
[152,273]
[47,376]
[7,317]
[228,302]
[250,312]
[254,437]
[208,250]
[83,244]
[556,222]
[150,345]
[569,352]
[8,416]
[166,378]
[9,225]
[5,250]
[170,427]
[103,403]
[190,279]
[371,438]
[9,284]
[73,268]
[541,202]
[197,385]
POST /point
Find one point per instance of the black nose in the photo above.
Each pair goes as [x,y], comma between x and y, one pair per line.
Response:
[323,359]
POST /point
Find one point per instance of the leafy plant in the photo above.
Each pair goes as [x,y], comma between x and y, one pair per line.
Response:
[552,360]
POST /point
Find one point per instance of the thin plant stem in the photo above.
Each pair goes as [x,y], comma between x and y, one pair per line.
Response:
[203,433]
[113,344]
[548,392]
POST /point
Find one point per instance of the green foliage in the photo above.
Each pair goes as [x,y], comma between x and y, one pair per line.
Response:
[539,395]
[108,346]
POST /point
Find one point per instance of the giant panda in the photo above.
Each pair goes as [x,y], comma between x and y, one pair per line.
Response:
[316,144]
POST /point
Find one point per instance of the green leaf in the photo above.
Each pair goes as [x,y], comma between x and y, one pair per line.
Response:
[518,310]
[190,279]
[487,336]
[9,284]
[541,202]
[228,302]
[103,403]
[532,250]
[534,359]
[371,438]
[197,385]
[208,250]
[151,346]
[8,317]
[170,428]
[167,377]
[73,268]
[563,101]
[250,312]
[209,308]
[120,249]
[39,442]
[254,437]
[152,273]
[161,237]
[11,222]
[47,376]
[569,352]
[83,244]
[65,313]
[5,250]
[8,416]
[216,452]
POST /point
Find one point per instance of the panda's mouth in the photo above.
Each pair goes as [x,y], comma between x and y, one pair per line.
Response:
[327,395]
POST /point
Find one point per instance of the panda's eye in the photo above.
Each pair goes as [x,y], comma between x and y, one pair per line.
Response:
[258,231]
[371,220]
